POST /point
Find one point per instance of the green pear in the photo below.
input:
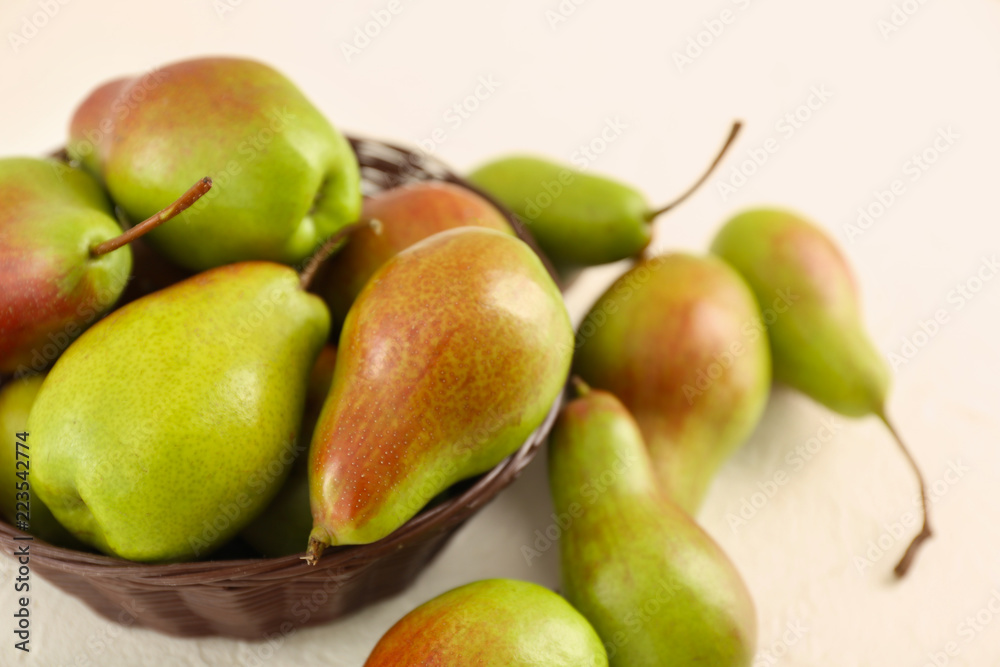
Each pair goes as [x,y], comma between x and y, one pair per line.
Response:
[283,527]
[169,425]
[492,623]
[680,340]
[658,590]
[286,179]
[64,260]
[579,219]
[408,214]
[820,346]
[16,495]
[451,356]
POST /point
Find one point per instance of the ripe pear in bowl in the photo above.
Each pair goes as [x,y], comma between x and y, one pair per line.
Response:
[64,260]
[454,352]
[286,179]
[407,214]
[169,425]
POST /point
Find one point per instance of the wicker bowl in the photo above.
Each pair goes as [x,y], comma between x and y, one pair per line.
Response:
[258,598]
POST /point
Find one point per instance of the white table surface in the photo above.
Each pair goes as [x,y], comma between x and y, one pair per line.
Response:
[555,87]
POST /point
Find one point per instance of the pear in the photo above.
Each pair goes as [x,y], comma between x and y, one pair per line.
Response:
[680,340]
[286,178]
[407,214]
[820,346]
[658,590]
[17,499]
[169,425]
[283,527]
[579,219]
[492,623]
[63,257]
[451,356]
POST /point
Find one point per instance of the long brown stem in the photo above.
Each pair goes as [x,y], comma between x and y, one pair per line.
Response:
[321,255]
[903,566]
[194,193]
[704,177]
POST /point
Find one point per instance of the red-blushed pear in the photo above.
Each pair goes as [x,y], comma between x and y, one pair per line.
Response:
[657,588]
[287,179]
[450,357]
[820,346]
[679,339]
[408,214]
[492,623]
[64,259]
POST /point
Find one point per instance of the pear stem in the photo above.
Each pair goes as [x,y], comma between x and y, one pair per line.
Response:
[194,193]
[313,551]
[903,566]
[704,177]
[581,387]
[321,255]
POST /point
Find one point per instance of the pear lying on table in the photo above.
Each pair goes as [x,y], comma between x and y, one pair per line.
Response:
[680,340]
[451,356]
[170,424]
[820,345]
[658,590]
[492,623]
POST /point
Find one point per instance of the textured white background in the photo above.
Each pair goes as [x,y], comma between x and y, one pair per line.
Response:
[558,87]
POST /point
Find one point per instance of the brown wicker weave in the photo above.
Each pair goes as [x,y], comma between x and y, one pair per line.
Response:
[258,598]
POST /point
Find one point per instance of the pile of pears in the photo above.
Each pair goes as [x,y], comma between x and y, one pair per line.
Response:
[209,337]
